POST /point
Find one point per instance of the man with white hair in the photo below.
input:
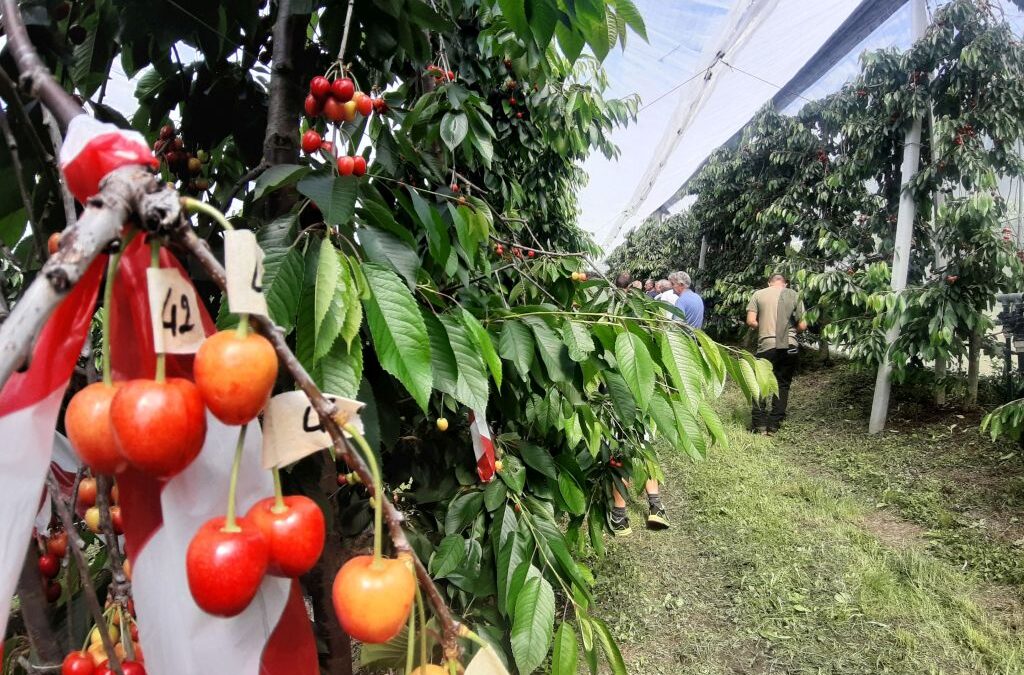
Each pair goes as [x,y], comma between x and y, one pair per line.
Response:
[688,301]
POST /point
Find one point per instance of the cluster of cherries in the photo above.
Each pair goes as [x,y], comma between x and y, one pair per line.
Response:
[516,252]
[440,75]
[93,658]
[170,149]
[966,131]
[337,102]
[52,550]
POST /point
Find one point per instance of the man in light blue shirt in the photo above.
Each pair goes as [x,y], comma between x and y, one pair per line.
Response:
[688,301]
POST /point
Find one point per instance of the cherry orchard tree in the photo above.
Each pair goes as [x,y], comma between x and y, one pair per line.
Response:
[816,196]
[410,171]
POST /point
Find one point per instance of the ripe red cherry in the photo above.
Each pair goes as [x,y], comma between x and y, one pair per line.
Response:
[358,165]
[295,534]
[235,375]
[345,165]
[311,142]
[455,187]
[327,147]
[49,565]
[320,87]
[116,519]
[334,110]
[53,243]
[159,426]
[87,492]
[519,115]
[78,663]
[343,89]
[531,254]
[88,425]
[127,667]
[364,104]
[53,591]
[225,569]
[372,598]
[451,76]
[512,101]
[312,106]
[57,544]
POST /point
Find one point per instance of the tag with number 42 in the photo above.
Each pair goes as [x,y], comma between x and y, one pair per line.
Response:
[173,312]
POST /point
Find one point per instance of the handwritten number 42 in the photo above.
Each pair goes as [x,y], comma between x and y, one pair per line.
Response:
[170,316]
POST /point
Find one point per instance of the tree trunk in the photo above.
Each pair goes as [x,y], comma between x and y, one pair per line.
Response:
[973,367]
[940,385]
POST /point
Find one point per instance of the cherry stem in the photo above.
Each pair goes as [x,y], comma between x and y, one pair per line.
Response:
[108,301]
[196,206]
[423,625]
[154,262]
[279,505]
[410,644]
[243,325]
[230,522]
[378,491]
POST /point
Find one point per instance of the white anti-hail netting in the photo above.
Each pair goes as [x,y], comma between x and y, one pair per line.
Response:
[750,49]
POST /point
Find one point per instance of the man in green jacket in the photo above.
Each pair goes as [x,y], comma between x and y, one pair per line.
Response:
[777,313]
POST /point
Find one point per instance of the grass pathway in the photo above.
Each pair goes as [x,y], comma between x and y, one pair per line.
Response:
[782,562]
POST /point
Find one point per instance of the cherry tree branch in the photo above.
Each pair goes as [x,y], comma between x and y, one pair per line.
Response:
[327,412]
[35,77]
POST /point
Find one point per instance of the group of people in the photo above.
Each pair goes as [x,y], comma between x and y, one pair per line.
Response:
[776,312]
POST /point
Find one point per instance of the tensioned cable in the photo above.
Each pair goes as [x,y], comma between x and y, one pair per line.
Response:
[761,79]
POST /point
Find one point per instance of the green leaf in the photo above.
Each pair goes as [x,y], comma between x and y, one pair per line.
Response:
[551,349]
[282,271]
[277,177]
[622,398]
[571,492]
[679,357]
[665,418]
[538,459]
[471,388]
[483,342]
[442,358]
[335,196]
[513,474]
[570,42]
[636,367]
[628,12]
[534,624]
[516,345]
[565,654]
[577,338]
[713,423]
[454,127]
[495,494]
[514,12]
[328,311]
[438,241]
[690,433]
[611,650]
[340,371]
[543,18]
[448,556]
[462,510]
[399,335]
[350,296]
[387,249]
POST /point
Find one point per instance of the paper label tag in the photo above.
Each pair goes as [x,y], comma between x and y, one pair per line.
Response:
[486,662]
[243,259]
[174,312]
[292,429]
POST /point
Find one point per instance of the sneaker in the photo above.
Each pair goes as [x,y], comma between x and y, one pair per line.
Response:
[619,524]
[657,519]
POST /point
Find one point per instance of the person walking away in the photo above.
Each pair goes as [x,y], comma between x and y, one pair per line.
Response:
[657,518]
[777,313]
[650,288]
[688,301]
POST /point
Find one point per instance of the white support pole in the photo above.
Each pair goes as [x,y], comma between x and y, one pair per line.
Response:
[904,232]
